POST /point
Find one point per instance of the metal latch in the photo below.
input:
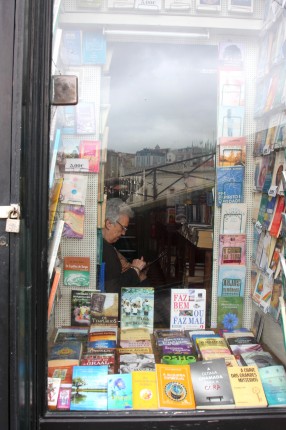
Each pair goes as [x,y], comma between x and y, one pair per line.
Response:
[5,211]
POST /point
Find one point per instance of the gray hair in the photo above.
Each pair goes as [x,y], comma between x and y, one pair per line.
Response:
[117,207]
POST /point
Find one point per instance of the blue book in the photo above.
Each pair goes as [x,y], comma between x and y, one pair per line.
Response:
[230,184]
[119,391]
[273,380]
[93,48]
[69,350]
[231,280]
[71,47]
[54,157]
[89,388]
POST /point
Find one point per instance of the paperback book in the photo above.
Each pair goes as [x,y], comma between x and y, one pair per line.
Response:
[137,307]
[188,309]
[77,271]
[104,309]
[211,384]
[231,280]
[230,312]
[119,392]
[232,249]
[80,307]
[233,218]
[230,184]
[144,388]
[273,379]
[74,221]
[74,189]
[53,392]
[136,362]
[232,152]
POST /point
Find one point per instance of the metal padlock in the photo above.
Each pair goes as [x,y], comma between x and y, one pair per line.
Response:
[13,222]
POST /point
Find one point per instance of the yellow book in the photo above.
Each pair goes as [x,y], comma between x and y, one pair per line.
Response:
[175,389]
[247,387]
[144,388]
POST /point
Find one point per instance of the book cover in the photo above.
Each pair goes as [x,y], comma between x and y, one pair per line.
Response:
[64,399]
[258,358]
[119,392]
[233,218]
[70,334]
[212,6]
[71,47]
[273,380]
[232,249]
[232,152]
[231,55]
[263,251]
[202,335]
[89,388]
[247,387]
[231,121]
[93,48]
[80,307]
[263,292]
[77,271]
[74,189]
[212,347]
[54,200]
[144,388]
[54,289]
[136,362]
[70,352]
[231,88]
[241,344]
[230,184]
[99,334]
[53,389]
[277,291]
[137,307]
[99,360]
[231,280]
[54,246]
[275,226]
[63,372]
[85,118]
[104,309]
[74,216]
[230,312]
[260,174]
[211,384]
[188,309]
[90,150]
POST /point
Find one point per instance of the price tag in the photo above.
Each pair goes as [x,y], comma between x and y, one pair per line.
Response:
[272,191]
[77,165]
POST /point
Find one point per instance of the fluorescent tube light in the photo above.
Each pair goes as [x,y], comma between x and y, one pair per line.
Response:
[156,34]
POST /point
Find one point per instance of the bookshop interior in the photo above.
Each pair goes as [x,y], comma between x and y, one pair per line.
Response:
[176,110]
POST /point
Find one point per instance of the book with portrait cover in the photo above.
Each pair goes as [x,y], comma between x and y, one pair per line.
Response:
[188,309]
[247,387]
[77,271]
[211,384]
[175,389]
[144,388]
[137,307]
[104,309]
[230,184]
[233,218]
[119,392]
[89,388]
[231,280]
[232,249]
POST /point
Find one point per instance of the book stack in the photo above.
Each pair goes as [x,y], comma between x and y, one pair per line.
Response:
[174,346]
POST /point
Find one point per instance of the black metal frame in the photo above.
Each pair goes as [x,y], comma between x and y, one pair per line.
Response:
[28,337]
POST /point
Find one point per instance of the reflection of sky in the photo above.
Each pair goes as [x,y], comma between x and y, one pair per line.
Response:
[159,96]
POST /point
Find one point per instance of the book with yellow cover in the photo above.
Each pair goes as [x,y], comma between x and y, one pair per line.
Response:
[247,387]
[175,390]
[212,347]
[144,387]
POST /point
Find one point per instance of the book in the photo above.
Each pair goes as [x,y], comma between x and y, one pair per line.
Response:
[64,398]
[144,388]
[231,121]
[211,384]
[230,184]
[231,88]
[74,216]
[174,385]
[54,246]
[54,289]
[247,387]
[71,47]
[232,249]
[65,353]
[119,392]
[99,360]
[230,312]
[74,189]
[90,150]
[232,152]
[89,388]
[273,380]
[263,292]
[241,344]
[93,48]
[53,389]
[231,280]
[188,309]
[203,335]
[212,347]
[80,307]
[102,336]
[171,337]
[70,334]
[274,261]
[85,118]
[63,372]
[180,359]
[104,309]
[137,307]
[54,199]
[76,271]
[275,225]
[257,358]
[136,362]
[233,218]
[277,291]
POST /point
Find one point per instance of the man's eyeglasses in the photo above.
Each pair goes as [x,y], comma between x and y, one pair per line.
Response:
[122,226]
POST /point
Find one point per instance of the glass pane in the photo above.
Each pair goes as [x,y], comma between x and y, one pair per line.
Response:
[153,158]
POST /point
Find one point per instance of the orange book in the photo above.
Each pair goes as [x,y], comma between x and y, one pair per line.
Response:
[175,389]
[144,387]
[62,372]
[54,289]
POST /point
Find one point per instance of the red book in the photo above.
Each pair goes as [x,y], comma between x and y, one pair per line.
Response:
[54,289]
[275,226]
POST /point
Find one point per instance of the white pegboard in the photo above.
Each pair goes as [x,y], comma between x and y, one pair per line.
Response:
[250,63]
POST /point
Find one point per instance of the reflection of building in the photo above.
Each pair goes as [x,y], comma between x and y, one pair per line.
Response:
[148,157]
